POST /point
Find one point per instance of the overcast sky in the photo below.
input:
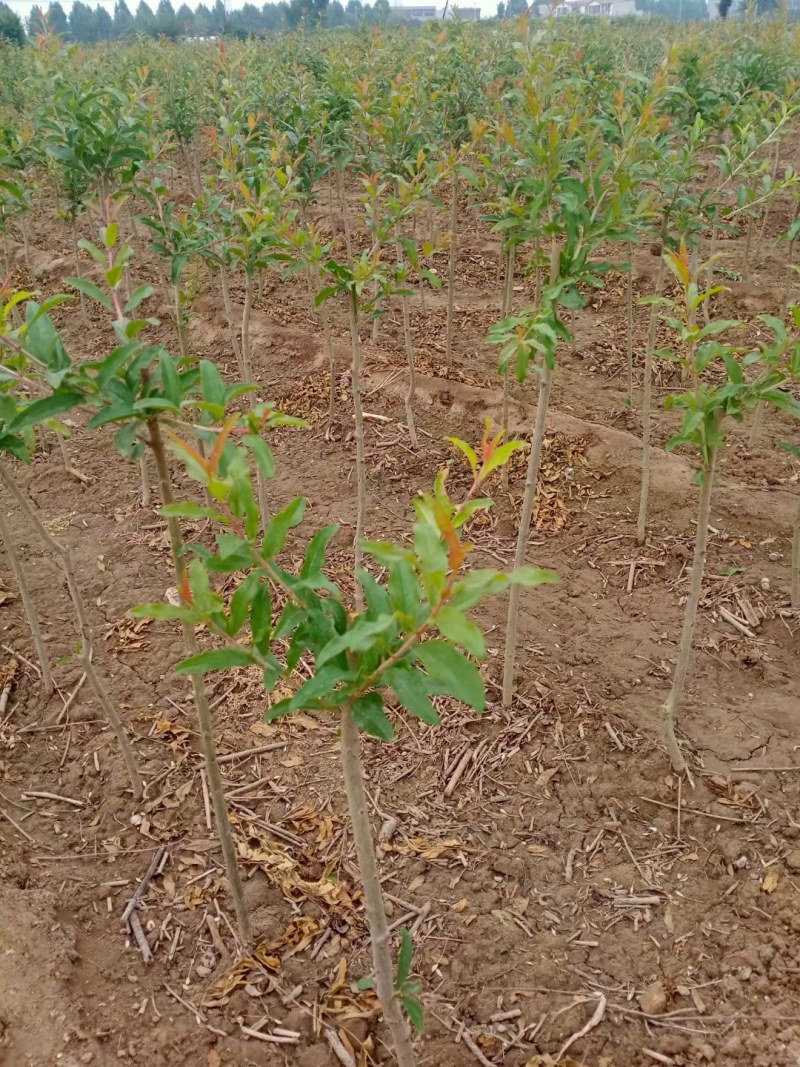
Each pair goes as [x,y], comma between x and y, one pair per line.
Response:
[23,7]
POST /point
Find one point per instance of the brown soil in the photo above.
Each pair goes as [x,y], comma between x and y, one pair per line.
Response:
[563,868]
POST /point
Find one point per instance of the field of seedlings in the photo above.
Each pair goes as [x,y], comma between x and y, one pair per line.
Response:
[400,573]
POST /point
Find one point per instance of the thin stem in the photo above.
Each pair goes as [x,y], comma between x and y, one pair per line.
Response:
[28,605]
[531,480]
[689,618]
[796,562]
[226,303]
[361,470]
[505,310]
[647,400]
[409,346]
[261,482]
[629,312]
[180,325]
[348,240]
[380,936]
[78,271]
[145,480]
[451,269]
[204,721]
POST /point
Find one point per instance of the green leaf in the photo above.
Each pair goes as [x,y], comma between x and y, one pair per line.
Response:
[453,672]
[362,635]
[240,604]
[467,450]
[410,689]
[94,292]
[218,659]
[262,454]
[261,618]
[188,509]
[404,957]
[404,592]
[46,408]
[370,718]
[414,1012]
[139,294]
[319,685]
[530,576]
[163,611]
[456,627]
[375,595]
[501,456]
[278,529]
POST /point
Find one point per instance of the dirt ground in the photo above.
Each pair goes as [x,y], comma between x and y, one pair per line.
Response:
[556,876]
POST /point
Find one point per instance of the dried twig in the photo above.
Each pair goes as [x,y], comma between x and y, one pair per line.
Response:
[595,1020]
[698,811]
[138,933]
[28,794]
[338,1049]
[469,1041]
[137,893]
[21,830]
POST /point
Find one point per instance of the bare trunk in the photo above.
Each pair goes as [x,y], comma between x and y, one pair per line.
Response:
[537,285]
[531,479]
[226,303]
[409,346]
[788,292]
[204,721]
[451,270]
[179,323]
[348,239]
[505,310]
[380,935]
[775,164]
[28,605]
[361,470]
[261,483]
[84,631]
[145,479]
[747,243]
[796,562]
[78,273]
[647,400]
[629,312]
[689,619]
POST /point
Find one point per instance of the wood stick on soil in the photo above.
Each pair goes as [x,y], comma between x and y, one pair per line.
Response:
[140,938]
[21,830]
[469,1041]
[137,893]
[699,811]
[338,1049]
[595,1020]
[52,796]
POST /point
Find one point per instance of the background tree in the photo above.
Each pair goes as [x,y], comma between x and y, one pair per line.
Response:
[82,23]
[202,21]
[217,20]
[11,28]
[144,20]
[165,24]
[103,24]
[724,8]
[57,19]
[123,20]
[37,21]
[185,19]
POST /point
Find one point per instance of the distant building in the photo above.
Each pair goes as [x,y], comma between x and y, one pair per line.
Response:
[417,15]
[608,8]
